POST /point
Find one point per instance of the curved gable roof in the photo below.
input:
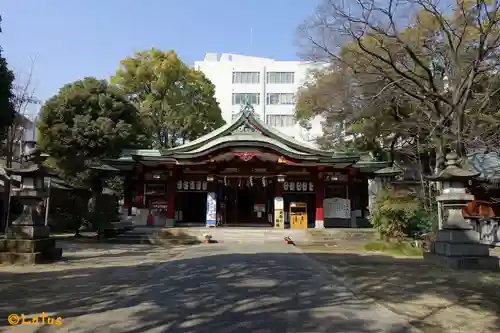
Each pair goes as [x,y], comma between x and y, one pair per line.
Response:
[246,131]
[248,118]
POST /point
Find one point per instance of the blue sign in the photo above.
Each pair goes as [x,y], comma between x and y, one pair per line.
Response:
[211,216]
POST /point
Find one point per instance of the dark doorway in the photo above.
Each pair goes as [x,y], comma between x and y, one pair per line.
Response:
[246,204]
[192,205]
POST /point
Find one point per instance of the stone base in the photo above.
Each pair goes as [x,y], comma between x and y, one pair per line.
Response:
[319,224]
[466,262]
[460,243]
[461,249]
[27,232]
[457,236]
[27,245]
[51,255]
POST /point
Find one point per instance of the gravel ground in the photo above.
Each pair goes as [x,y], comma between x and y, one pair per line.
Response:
[435,299]
[203,288]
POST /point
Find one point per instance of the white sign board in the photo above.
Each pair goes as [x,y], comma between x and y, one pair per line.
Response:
[337,208]
[211,208]
[278,203]
[279,216]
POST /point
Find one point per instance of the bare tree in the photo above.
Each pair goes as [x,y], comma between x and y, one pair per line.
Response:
[442,58]
[24,97]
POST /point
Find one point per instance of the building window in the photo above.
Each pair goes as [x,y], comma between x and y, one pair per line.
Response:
[281,77]
[244,98]
[246,77]
[277,98]
[280,120]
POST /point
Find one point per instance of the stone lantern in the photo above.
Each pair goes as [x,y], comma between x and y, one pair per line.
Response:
[457,244]
[28,240]
[381,180]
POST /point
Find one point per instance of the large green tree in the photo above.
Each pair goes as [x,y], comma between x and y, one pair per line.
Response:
[410,69]
[86,121]
[176,101]
[7,116]
[7,113]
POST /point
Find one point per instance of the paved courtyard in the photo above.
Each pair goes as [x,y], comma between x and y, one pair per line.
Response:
[204,288]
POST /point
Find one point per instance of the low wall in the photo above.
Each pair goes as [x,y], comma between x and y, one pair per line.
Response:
[360,222]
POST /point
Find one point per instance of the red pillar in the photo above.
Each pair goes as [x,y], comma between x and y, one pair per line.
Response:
[140,190]
[171,189]
[127,194]
[320,196]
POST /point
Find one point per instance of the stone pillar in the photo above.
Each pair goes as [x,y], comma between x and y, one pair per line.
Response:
[279,206]
[171,189]
[320,197]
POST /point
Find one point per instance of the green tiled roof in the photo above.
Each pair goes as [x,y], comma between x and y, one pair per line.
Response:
[245,131]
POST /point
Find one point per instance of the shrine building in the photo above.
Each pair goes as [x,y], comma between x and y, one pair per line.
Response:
[247,173]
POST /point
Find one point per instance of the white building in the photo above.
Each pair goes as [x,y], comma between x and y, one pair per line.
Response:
[269,85]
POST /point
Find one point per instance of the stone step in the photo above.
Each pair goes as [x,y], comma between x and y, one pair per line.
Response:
[129,240]
[228,235]
[260,235]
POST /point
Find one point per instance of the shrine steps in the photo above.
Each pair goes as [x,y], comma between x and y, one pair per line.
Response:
[228,235]
[135,236]
[314,237]
[340,238]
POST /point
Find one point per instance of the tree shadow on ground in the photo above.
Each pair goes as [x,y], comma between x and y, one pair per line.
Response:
[437,299]
[265,292]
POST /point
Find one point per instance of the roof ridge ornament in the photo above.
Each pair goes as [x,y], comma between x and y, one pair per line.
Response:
[247,109]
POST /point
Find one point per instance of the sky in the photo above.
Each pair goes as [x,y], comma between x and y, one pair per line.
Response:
[67,40]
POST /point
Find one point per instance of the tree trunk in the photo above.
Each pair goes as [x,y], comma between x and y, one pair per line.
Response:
[392,150]
[440,159]
[7,183]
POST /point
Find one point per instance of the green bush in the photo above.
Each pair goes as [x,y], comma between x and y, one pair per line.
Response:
[399,214]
